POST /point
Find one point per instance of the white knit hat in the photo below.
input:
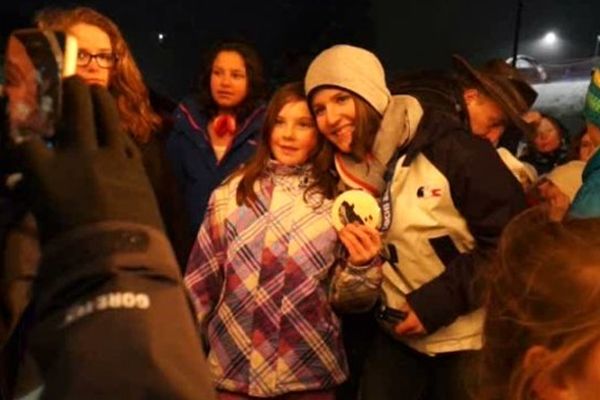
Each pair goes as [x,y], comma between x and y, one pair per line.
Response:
[351,68]
[567,177]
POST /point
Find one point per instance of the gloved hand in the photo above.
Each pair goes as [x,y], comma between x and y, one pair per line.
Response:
[94,171]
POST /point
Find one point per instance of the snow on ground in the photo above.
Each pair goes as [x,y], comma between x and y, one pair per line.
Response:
[563,100]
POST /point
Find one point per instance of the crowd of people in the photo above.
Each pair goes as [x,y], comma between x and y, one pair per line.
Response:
[190,250]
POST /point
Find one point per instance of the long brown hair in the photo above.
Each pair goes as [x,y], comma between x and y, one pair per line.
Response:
[323,181]
[367,124]
[126,83]
[543,290]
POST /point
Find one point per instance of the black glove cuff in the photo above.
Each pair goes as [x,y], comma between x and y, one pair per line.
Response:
[85,251]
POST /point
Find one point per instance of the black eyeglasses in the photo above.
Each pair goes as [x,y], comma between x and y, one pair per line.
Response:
[104,60]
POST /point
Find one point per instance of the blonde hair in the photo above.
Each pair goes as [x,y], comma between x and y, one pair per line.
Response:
[126,83]
[544,290]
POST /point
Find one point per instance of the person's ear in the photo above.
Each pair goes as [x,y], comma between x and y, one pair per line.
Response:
[544,385]
[470,95]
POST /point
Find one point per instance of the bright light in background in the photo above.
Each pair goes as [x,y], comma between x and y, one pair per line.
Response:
[161,37]
[548,45]
[550,39]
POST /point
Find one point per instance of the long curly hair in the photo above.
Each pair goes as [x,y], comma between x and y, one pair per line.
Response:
[544,290]
[126,82]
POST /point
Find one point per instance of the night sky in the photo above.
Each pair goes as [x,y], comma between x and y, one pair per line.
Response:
[288,33]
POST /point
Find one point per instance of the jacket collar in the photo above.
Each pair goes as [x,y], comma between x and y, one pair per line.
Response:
[434,124]
[437,90]
[194,124]
[444,111]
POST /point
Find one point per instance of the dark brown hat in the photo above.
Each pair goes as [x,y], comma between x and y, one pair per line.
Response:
[503,84]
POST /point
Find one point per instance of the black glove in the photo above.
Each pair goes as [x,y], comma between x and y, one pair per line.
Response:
[93,173]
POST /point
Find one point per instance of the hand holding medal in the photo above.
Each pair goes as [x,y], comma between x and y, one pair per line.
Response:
[357,215]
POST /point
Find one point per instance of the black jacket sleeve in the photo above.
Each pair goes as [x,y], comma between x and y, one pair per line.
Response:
[487,196]
[112,318]
[169,196]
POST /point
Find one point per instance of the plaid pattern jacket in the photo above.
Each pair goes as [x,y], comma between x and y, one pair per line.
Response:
[258,278]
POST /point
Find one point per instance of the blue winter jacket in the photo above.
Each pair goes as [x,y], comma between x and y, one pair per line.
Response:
[587,200]
[194,162]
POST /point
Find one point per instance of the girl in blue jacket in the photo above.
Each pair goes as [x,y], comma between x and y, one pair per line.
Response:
[216,129]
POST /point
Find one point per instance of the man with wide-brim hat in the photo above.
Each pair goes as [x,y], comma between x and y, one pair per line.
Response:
[495,96]
[489,100]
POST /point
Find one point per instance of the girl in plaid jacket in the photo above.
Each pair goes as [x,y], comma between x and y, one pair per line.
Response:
[259,270]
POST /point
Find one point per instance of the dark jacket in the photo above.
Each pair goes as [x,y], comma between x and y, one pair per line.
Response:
[546,162]
[435,90]
[484,193]
[111,302]
[452,196]
[194,162]
[168,195]
[19,264]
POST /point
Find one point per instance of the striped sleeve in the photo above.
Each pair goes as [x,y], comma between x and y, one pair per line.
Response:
[355,289]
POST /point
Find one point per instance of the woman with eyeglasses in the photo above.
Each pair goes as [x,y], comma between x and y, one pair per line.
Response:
[104,59]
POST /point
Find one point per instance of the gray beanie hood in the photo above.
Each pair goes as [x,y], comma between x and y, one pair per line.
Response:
[351,68]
